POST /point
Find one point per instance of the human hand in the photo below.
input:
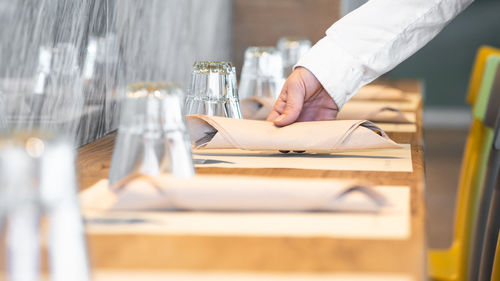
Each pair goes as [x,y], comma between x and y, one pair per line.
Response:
[302,98]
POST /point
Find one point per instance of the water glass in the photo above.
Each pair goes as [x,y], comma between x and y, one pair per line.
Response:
[100,54]
[213,90]
[152,136]
[38,188]
[52,99]
[57,90]
[262,73]
[292,48]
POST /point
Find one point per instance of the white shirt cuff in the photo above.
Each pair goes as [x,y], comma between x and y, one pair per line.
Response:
[334,68]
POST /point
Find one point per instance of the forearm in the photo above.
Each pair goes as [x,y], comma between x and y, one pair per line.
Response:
[374,39]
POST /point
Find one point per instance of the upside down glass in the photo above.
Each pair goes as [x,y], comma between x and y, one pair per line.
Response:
[262,73]
[57,91]
[292,48]
[152,136]
[52,99]
[101,53]
[38,188]
[213,90]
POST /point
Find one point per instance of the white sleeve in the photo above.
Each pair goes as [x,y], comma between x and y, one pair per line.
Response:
[373,39]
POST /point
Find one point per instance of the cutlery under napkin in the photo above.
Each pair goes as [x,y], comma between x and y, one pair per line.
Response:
[317,136]
[375,113]
[379,92]
[231,193]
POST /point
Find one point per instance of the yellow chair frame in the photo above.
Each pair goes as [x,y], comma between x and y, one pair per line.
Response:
[452,263]
[478,71]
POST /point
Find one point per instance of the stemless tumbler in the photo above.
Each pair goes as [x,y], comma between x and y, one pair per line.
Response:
[100,55]
[57,92]
[213,90]
[292,48]
[38,188]
[262,73]
[152,135]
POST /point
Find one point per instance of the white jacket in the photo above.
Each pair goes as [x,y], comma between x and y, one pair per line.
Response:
[373,39]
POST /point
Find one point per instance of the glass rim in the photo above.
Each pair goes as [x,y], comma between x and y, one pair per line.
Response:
[151,89]
[18,136]
[254,50]
[33,142]
[286,43]
[294,39]
[222,67]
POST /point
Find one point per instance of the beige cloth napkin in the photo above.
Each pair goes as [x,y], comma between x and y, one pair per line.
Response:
[379,92]
[256,108]
[231,193]
[317,136]
[375,113]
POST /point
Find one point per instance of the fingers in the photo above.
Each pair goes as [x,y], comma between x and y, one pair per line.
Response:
[287,108]
[299,86]
[320,107]
[273,115]
[293,106]
[279,105]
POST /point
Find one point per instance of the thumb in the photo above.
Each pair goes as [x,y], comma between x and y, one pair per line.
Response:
[294,100]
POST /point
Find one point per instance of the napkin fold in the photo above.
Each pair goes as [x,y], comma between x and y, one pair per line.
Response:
[379,92]
[231,193]
[256,108]
[317,136]
[375,113]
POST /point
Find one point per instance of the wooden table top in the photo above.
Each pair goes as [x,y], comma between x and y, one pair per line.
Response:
[270,254]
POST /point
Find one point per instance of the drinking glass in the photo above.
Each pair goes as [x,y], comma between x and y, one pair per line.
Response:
[100,54]
[213,90]
[38,188]
[52,99]
[152,135]
[262,73]
[57,92]
[292,48]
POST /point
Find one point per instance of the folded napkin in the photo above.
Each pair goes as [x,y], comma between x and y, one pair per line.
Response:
[317,136]
[256,108]
[231,193]
[379,92]
[375,113]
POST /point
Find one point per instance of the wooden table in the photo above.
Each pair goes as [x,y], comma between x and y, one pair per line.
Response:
[263,254]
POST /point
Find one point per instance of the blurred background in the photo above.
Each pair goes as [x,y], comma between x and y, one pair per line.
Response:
[64,64]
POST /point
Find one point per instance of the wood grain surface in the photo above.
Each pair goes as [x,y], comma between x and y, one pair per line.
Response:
[291,254]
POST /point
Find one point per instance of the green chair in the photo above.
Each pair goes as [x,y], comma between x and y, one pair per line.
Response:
[477,72]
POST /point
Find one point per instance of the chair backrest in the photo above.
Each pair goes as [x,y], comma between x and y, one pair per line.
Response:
[474,163]
[491,116]
[477,72]
[487,90]
[489,266]
[497,141]
[486,188]
[495,274]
